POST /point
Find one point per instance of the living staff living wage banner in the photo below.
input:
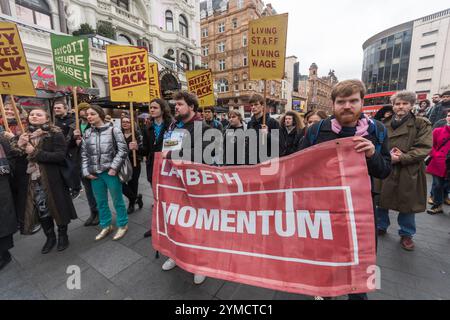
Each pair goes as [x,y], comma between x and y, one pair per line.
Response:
[290,227]
[155,89]
[14,72]
[128,73]
[201,83]
[71,61]
[267,47]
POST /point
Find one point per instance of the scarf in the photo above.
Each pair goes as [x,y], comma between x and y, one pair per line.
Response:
[33,167]
[362,126]
[395,124]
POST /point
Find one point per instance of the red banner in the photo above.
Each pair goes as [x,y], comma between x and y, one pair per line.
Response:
[303,225]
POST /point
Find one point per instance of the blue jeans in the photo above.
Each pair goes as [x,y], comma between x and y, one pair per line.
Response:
[439,190]
[100,187]
[406,221]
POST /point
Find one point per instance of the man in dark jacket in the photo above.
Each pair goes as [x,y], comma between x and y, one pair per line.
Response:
[349,121]
[266,130]
[290,134]
[208,116]
[439,112]
[66,122]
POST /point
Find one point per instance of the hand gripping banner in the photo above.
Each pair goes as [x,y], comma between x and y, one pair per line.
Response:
[305,226]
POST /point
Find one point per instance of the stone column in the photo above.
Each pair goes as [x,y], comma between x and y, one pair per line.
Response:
[6,9]
[62,17]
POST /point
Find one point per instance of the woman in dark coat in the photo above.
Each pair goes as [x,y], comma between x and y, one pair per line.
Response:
[161,119]
[234,136]
[291,133]
[8,221]
[45,196]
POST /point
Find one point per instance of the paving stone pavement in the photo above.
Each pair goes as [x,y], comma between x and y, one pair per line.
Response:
[128,269]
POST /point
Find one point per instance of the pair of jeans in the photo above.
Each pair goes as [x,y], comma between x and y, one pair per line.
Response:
[439,190]
[89,195]
[130,189]
[406,221]
[101,186]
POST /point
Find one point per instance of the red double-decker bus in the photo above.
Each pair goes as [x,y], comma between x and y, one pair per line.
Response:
[374,102]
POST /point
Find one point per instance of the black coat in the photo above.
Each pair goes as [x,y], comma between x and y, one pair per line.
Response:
[256,124]
[151,144]
[231,140]
[8,220]
[49,154]
[289,142]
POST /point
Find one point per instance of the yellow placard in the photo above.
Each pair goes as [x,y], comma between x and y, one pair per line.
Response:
[267,47]
[128,73]
[201,83]
[155,89]
[14,72]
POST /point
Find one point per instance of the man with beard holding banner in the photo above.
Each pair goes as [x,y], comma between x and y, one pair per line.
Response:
[348,121]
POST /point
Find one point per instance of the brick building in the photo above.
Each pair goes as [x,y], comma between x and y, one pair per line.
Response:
[319,89]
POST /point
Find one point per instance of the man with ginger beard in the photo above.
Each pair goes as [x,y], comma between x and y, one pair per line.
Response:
[349,121]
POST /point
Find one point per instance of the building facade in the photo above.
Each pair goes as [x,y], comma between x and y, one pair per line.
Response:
[414,56]
[319,89]
[170,30]
[224,42]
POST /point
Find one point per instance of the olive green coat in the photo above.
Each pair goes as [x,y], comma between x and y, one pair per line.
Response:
[405,190]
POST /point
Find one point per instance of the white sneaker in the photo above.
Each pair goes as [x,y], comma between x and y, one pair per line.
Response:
[199,279]
[318,298]
[169,265]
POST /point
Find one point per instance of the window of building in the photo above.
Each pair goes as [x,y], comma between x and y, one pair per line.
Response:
[184,60]
[244,76]
[236,78]
[204,32]
[236,87]
[221,47]
[429,45]
[169,20]
[221,65]
[427,57]
[34,12]
[184,28]
[205,51]
[424,80]
[222,27]
[244,40]
[235,23]
[205,65]
[245,62]
[245,85]
[122,4]
[240,4]
[430,33]
[222,85]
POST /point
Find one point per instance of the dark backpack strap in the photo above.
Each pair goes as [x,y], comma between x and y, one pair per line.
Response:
[314,135]
[380,134]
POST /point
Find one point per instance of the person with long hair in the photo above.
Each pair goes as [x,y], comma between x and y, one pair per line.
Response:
[312,117]
[131,189]
[44,196]
[103,152]
[160,121]
[290,133]
[233,132]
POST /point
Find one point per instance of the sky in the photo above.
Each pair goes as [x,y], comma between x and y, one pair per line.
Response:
[331,32]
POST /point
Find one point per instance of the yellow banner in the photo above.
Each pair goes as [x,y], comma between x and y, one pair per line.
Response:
[128,73]
[201,83]
[267,47]
[155,88]
[14,73]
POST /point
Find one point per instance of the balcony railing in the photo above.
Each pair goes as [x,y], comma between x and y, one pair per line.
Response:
[117,11]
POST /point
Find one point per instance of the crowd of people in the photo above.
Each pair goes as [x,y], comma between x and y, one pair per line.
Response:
[44,168]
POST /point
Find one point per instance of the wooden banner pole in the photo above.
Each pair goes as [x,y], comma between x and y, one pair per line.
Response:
[133,135]
[265,102]
[5,120]
[17,115]
[75,102]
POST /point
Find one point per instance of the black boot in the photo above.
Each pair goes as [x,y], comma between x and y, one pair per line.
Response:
[148,234]
[139,202]
[5,259]
[92,220]
[131,206]
[49,229]
[63,239]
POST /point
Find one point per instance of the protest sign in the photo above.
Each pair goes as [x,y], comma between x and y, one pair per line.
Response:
[267,47]
[299,230]
[128,73]
[201,83]
[155,89]
[14,72]
[71,61]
